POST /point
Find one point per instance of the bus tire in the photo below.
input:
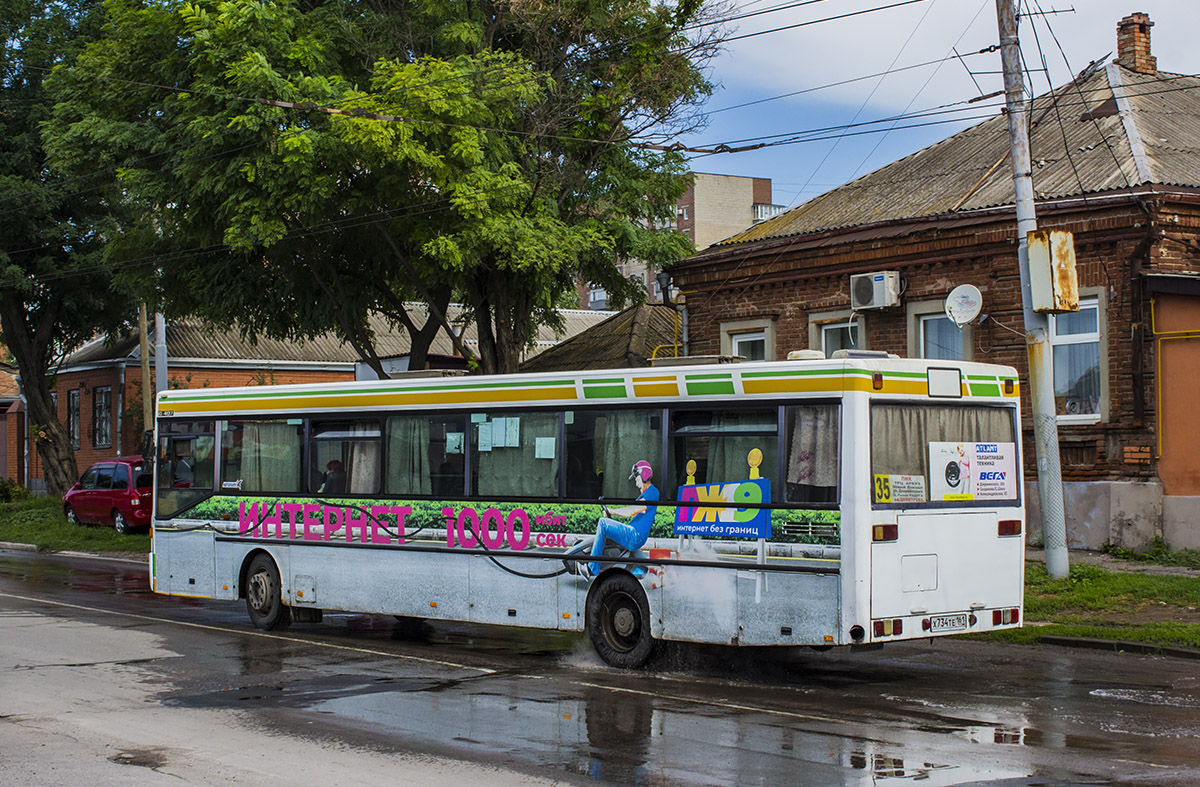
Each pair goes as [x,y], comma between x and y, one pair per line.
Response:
[264,600]
[618,622]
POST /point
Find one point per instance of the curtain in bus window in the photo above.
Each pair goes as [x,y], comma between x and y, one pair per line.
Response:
[409,470]
[364,459]
[270,457]
[729,449]
[516,455]
[629,436]
[901,434]
[812,465]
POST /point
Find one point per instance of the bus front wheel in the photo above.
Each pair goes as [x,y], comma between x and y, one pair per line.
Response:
[618,622]
[263,599]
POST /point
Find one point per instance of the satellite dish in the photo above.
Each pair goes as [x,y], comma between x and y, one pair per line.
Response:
[963,304]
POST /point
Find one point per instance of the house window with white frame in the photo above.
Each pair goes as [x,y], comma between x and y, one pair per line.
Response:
[102,416]
[73,398]
[940,338]
[839,336]
[752,345]
[1075,342]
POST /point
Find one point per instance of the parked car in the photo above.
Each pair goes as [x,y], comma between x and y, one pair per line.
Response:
[115,492]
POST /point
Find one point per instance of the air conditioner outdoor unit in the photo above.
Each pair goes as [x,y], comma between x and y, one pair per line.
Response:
[874,290]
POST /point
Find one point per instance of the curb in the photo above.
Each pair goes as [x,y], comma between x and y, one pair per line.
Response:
[18,547]
[1147,648]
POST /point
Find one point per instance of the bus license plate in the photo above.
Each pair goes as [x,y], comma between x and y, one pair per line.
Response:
[948,622]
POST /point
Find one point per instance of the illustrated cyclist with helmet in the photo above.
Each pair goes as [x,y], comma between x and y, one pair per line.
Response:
[631,535]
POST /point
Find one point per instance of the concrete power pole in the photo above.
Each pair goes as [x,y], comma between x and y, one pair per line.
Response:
[160,353]
[1037,326]
[144,345]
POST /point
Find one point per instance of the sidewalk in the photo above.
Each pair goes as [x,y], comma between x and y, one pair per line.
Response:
[1110,563]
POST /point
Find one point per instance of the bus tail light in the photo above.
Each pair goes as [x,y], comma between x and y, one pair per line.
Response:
[889,628]
[1009,527]
[885,533]
[1005,617]
[877,381]
[1009,385]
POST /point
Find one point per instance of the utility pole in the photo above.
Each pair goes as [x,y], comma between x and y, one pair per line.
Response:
[1037,326]
[160,352]
[144,345]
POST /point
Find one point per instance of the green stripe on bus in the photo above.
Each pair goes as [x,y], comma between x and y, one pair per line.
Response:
[985,389]
[715,387]
[708,376]
[603,391]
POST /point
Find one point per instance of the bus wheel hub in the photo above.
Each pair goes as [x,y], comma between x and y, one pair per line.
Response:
[624,622]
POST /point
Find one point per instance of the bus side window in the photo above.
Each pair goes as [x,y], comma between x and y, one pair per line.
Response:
[603,446]
[812,434]
[344,457]
[720,443]
[515,454]
[425,455]
[260,456]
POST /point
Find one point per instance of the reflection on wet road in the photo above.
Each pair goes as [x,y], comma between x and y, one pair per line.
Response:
[952,712]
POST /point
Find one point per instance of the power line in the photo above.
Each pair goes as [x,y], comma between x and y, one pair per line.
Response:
[819,21]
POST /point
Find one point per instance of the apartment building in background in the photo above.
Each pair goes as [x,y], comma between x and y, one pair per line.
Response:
[713,208]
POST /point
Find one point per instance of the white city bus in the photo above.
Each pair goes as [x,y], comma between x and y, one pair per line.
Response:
[859,500]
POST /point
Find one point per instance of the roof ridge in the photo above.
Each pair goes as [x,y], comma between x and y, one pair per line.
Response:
[1137,147]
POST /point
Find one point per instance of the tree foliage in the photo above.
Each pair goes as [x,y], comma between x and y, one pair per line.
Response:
[501,171]
[57,287]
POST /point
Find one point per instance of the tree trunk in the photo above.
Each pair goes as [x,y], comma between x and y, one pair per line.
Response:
[31,348]
[503,309]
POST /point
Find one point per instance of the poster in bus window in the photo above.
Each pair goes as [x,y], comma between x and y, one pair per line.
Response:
[972,471]
[726,519]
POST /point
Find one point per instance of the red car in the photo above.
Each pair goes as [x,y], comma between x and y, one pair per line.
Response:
[117,492]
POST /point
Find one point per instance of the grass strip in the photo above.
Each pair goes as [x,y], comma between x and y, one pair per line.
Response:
[40,522]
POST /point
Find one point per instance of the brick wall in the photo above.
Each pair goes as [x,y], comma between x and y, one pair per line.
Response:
[788,281]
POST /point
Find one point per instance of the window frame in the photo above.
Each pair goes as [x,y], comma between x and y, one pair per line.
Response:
[819,322]
[1088,298]
[74,404]
[734,330]
[920,311]
[102,416]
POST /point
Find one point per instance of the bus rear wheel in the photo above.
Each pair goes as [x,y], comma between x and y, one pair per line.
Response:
[618,622]
[264,601]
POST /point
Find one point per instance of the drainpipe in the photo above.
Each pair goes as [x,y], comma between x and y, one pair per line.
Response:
[119,406]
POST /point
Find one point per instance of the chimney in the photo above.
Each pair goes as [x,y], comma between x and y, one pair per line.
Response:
[1133,43]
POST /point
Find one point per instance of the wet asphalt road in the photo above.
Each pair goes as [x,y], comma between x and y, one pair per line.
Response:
[539,706]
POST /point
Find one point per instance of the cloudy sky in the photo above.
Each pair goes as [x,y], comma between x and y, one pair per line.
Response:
[813,57]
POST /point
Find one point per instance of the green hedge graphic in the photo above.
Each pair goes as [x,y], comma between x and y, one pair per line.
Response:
[797,526]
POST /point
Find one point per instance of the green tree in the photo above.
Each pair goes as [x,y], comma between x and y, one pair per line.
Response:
[503,171]
[57,288]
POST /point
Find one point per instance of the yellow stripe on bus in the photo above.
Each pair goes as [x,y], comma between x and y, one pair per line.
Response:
[300,402]
[656,389]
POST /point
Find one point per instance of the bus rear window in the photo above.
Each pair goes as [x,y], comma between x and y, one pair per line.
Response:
[943,454]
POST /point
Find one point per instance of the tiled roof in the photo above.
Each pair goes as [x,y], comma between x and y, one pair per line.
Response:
[1112,129]
[190,339]
[626,339]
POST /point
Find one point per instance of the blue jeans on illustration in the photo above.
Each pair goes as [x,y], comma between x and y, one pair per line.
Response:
[617,532]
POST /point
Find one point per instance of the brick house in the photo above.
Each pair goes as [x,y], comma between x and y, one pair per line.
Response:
[98,387]
[1115,162]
